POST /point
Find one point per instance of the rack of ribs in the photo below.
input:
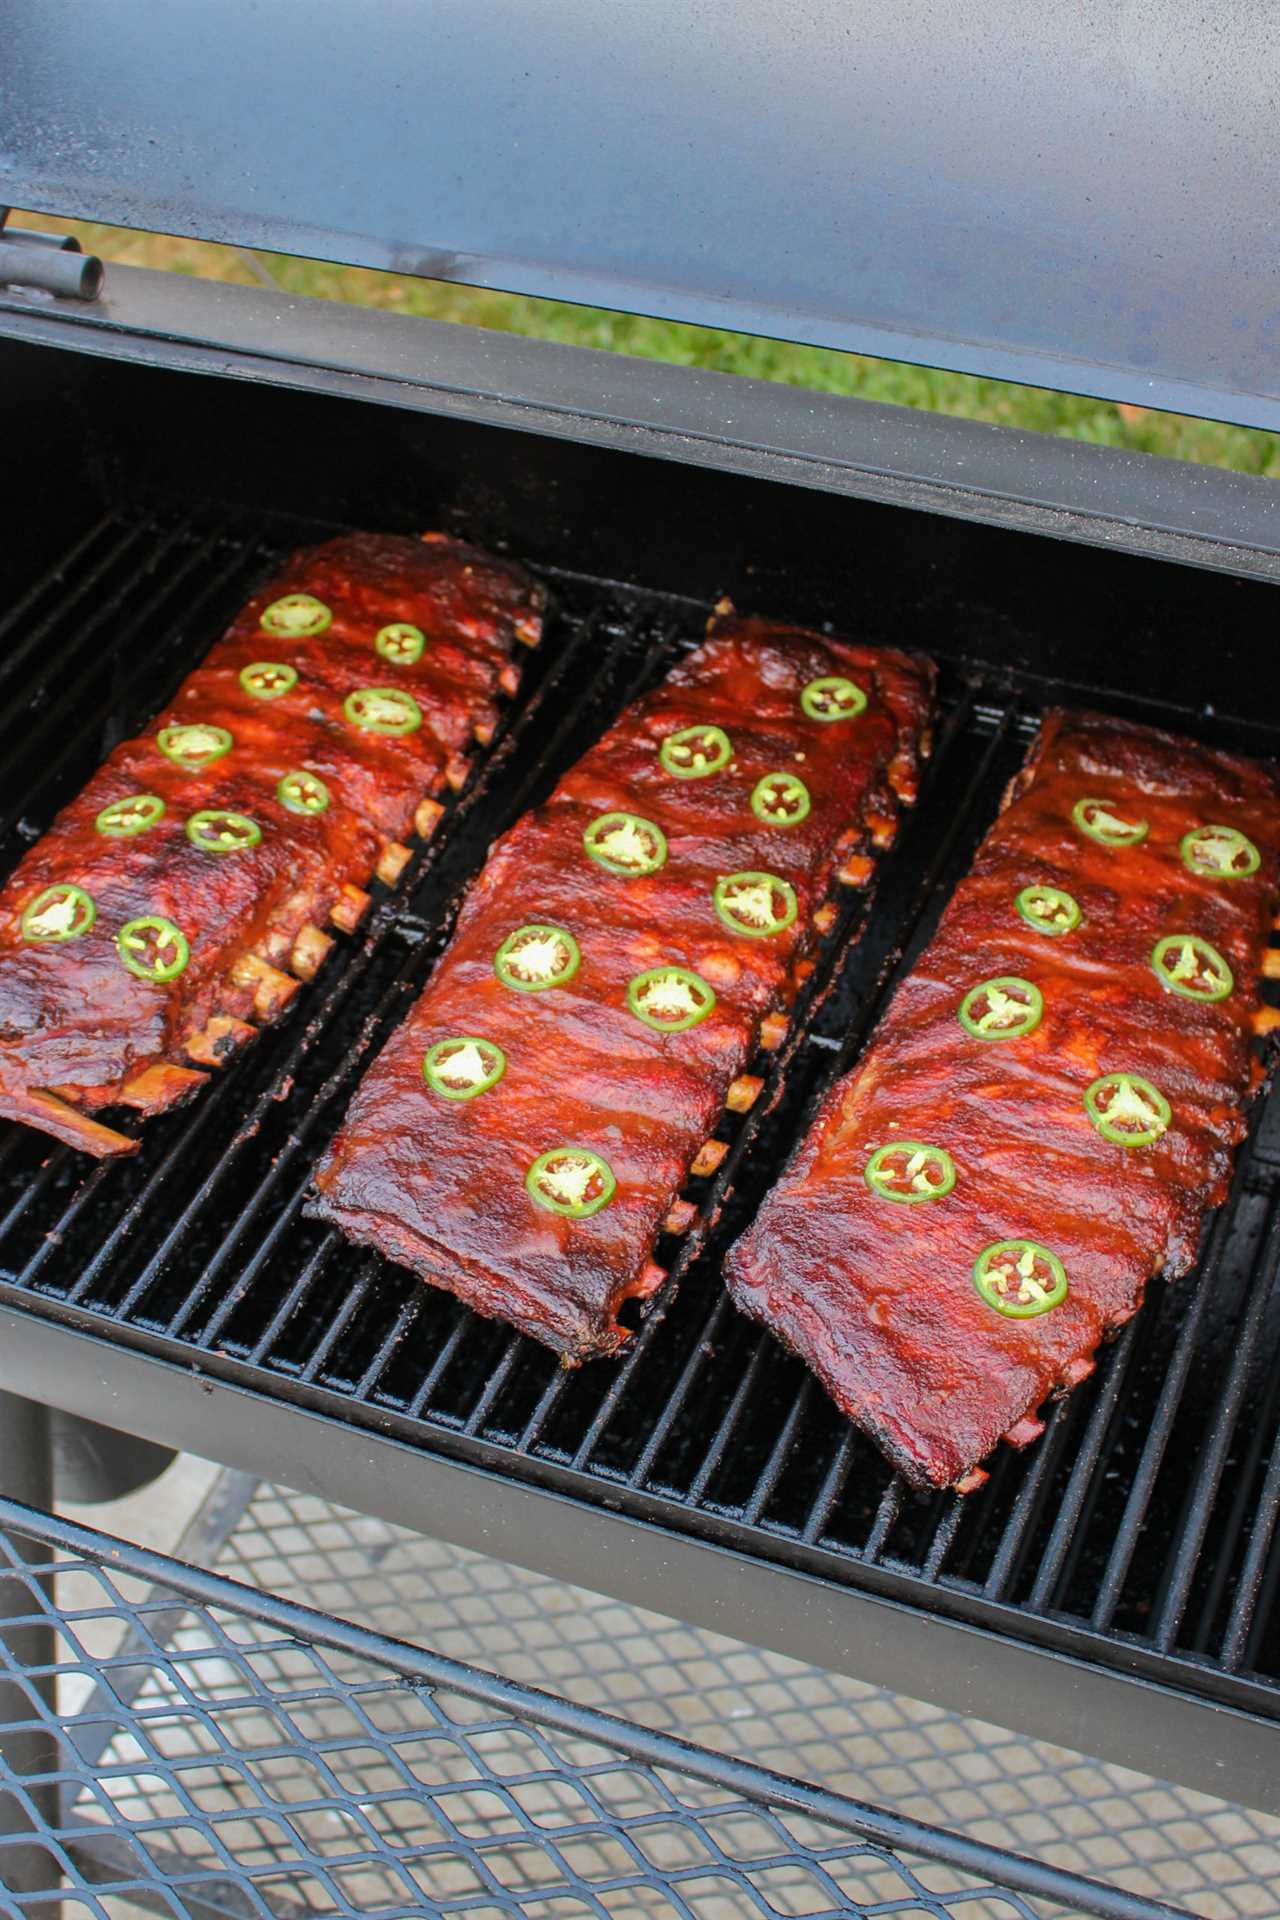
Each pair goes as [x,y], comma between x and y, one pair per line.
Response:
[523,1137]
[1049,1106]
[182,897]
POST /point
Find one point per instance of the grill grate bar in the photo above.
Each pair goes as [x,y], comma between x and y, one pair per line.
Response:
[351,1304]
[205,1111]
[780,1452]
[724,1432]
[1198,1508]
[1245,1610]
[1242,1515]
[494,1384]
[1135,1511]
[832,1487]
[66,599]
[400,1326]
[552,1394]
[711,1331]
[53,584]
[1024,1515]
[248,1273]
[1082,1487]
[289,1306]
[462,1322]
[58,722]
[944,1534]
[887,1514]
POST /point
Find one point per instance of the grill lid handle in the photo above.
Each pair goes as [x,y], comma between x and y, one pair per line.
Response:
[46,263]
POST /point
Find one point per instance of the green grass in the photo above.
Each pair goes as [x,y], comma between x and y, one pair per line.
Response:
[1069,416]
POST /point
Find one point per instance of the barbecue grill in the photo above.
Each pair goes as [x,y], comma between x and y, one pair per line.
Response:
[1116,1586]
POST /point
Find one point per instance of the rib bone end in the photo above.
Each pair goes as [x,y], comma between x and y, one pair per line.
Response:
[709,1156]
[160,1086]
[349,909]
[214,1045]
[773,1031]
[310,951]
[427,818]
[392,862]
[743,1093]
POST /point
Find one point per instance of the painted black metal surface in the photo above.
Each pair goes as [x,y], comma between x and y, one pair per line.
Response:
[1140,1537]
[1078,197]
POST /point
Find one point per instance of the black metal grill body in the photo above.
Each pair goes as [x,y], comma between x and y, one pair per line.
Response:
[1114,1587]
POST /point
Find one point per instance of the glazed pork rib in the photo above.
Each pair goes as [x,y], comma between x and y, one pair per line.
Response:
[1048,1108]
[523,1136]
[182,896]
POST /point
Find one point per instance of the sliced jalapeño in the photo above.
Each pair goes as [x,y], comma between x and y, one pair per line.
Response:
[1102,823]
[1224,852]
[624,843]
[134,814]
[268,679]
[295,617]
[670,999]
[463,1066]
[571,1181]
[61,912]
[1002,1009]
[535,957]
[215,831]
[1048,909]
[832,697]
[1188,965]
[152,947]
[303,792]
[383,710]
[780,800]
[757,904]
[401,642]
[909,1171]
[194,746]
[1020,1278]
[1127,1109]
[694,752]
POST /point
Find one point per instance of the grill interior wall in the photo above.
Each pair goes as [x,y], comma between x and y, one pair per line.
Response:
[1147,1517]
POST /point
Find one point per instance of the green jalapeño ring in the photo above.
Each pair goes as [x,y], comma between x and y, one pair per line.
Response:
[295,617]
[571,1181]
[910,1172]
[463,1066]
[535,957]
[670,999]
[1020,1278]
[695,752]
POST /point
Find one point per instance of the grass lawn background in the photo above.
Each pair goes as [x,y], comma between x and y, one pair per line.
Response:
[1067,415]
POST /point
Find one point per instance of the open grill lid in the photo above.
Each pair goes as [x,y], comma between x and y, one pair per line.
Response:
[1078,197]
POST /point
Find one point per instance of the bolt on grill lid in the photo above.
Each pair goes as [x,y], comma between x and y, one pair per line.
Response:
[1079,197]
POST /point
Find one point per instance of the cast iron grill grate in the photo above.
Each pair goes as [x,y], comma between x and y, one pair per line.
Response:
[1141,1532]
[200,1748]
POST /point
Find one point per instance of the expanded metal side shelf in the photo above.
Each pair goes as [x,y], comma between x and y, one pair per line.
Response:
[197,1747]
[1139,1536]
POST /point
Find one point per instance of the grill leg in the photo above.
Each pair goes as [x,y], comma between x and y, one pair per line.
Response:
[95,1463]
[26,1474]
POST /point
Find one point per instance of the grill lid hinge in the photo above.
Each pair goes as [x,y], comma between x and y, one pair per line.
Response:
[50,263]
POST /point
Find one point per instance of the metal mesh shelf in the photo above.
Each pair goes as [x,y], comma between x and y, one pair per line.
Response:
[212,1749]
